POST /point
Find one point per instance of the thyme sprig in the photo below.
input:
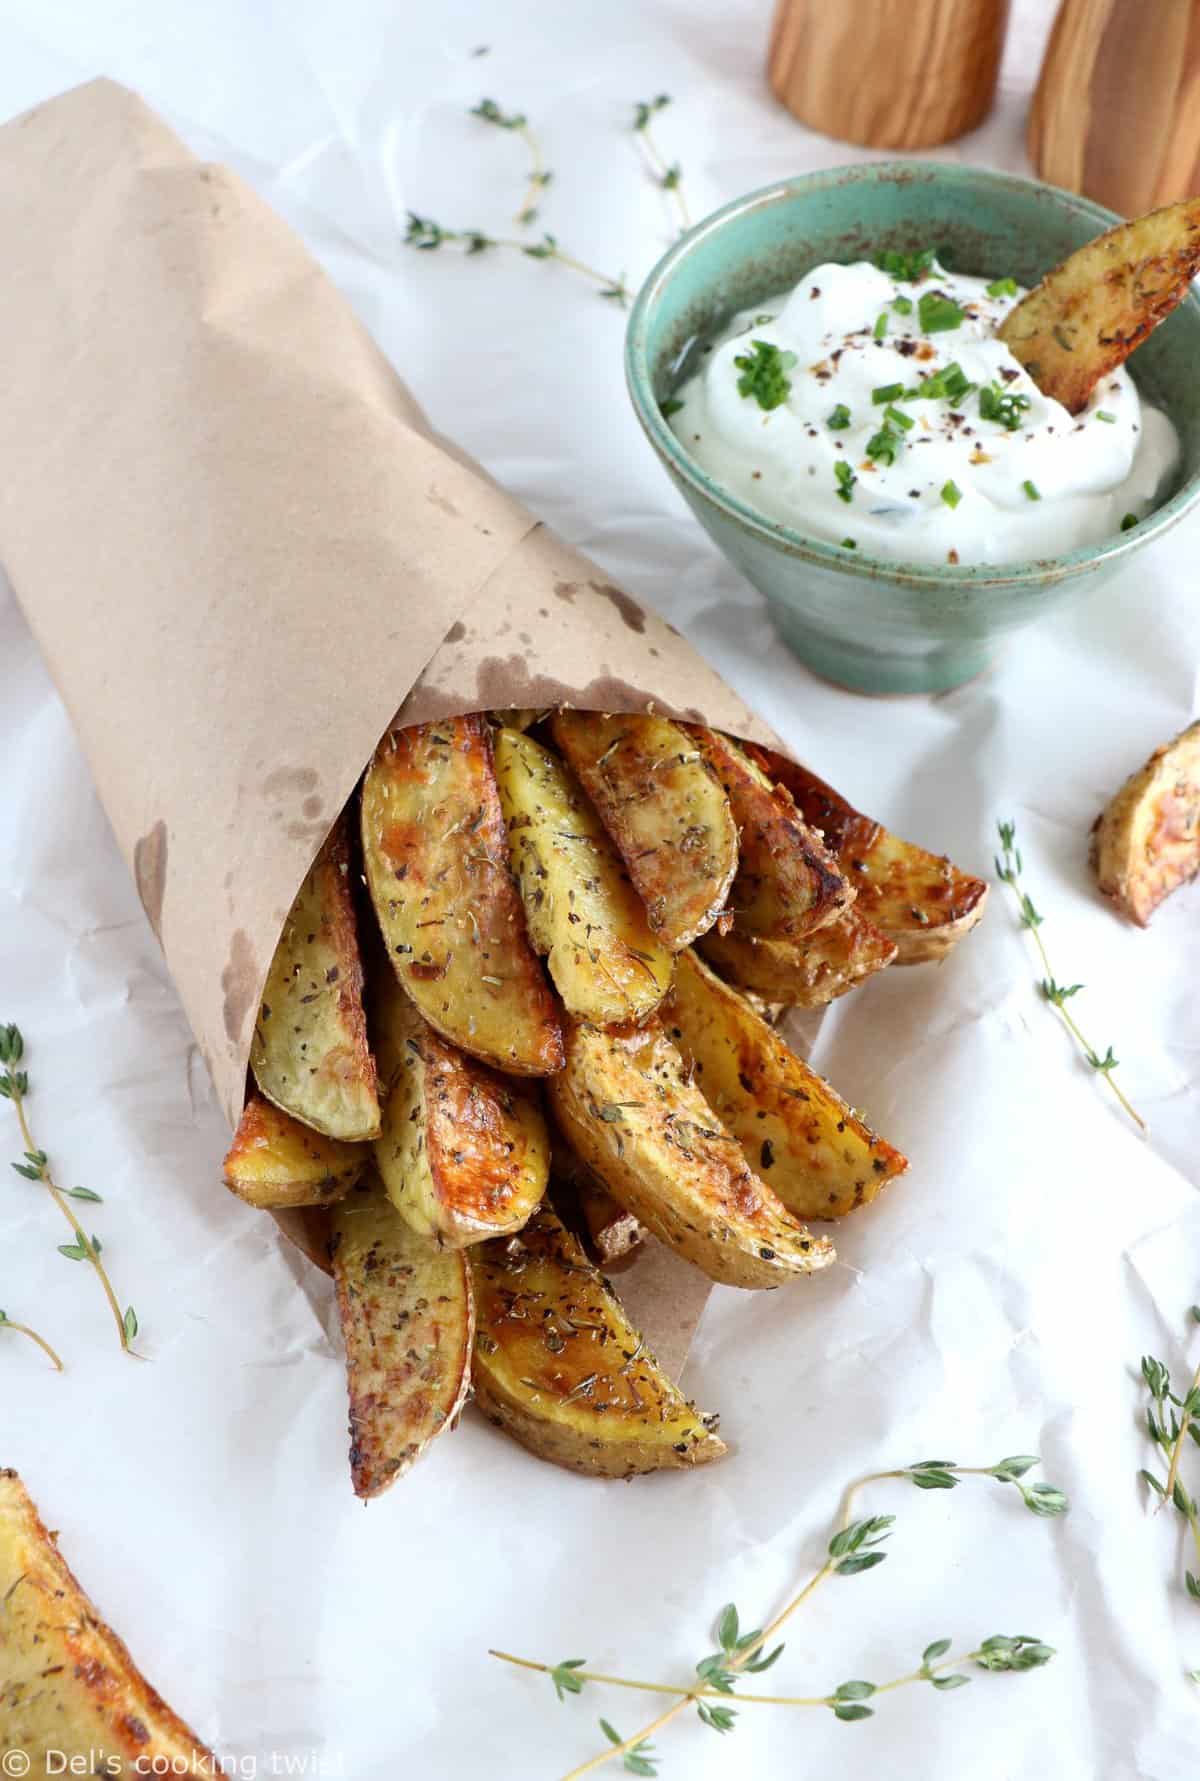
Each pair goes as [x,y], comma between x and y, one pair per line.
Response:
[1170,1421]
[539,175]
[14,1087]
[1009,867]
[23,1329]
[853,1547]
[668,174]
[427,235]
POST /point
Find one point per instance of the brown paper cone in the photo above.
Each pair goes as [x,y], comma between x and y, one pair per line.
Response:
[242,549]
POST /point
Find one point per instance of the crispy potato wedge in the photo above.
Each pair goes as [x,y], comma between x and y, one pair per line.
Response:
[1086,317]
[917,899]
[629,1107]
[665,810]
[408,1322]
[581,909]
[464,1153]
[309,1054]
[436,858]
[275,1161]
[69,1690]
[558,1367]
[788,884]
[801,1137]
[1146,842]
[805,973]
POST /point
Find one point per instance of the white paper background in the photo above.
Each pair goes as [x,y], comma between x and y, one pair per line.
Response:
[996,1301]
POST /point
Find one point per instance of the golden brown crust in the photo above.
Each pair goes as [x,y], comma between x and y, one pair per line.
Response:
[436,857]
[275,1161]
[1146,841]
[805,973]
[67,1682]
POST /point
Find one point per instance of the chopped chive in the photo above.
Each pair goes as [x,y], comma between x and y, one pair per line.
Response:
[1102,414]
[883,446]
[903,421]
[849,543]
[902,305]
[839,419]
[764,374]
[1005,406]
[888,392]
[671,406]
[846,480]
[1002,287]
[951,494]
[938,313]
[880,328]
[1032,490]
[907,267]
[1130,520]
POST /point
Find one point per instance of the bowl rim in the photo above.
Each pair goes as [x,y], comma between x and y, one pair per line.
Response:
[821,552]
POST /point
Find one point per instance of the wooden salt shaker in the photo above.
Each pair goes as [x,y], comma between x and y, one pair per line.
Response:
[887,74]
[1116,114]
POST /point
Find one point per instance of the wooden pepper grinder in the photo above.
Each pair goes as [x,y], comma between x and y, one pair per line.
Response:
[1117,109]
[886,74]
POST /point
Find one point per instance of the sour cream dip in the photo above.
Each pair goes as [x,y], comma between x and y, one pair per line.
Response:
[878,410]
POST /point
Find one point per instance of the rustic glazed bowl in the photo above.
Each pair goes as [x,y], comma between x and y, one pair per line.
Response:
[867,622]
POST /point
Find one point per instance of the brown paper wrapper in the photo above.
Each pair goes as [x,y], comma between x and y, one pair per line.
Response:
[243,551]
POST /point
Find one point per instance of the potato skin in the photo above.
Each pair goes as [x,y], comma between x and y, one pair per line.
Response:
[814,1150]
[1086,317]
[67,1682]
[275,1161]
[805,973]
[922,902]
[309,1053]
[408,1321]
[666,811]
[1146,841]
[626,1104]
[558,1366]
[581,910]
[463,1151]
[436,858]
[788,884]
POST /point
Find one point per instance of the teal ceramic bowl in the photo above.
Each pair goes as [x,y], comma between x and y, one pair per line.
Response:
[869,623]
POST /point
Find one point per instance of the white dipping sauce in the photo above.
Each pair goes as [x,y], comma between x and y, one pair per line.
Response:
[1050,484]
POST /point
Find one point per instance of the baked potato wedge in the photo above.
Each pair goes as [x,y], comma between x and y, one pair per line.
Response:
[70,1693]
[274,1161]
[627,1104]
[918,899]
[581,910]
[309,1053]
[804,973]
[1146,842]
[665,810]
[436,859]
[788,884]
[558,1367]
[801,1137]
[463,1152]
[408,1322]
[1086,317]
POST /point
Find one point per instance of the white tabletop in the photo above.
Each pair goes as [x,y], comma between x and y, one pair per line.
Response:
[995,1301]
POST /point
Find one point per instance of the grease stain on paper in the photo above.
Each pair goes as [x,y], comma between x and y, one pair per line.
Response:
[507,680]
[150,874]
[239,980]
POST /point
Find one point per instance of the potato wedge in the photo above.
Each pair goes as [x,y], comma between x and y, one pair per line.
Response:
[917,899]
[408,1322]
[586,1206]
[788,884]
[1146,842]
[464,1153]
[801,1137]
[665,810]
[70,1693]
[436,858]
[805,973]
[309,1053]
[275,1161]
[628,1105]
[1086,317]
[581,909]
[558,1367]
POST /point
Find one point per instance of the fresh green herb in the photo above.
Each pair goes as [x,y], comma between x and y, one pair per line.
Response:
[902,305]
[764,374]
[846,480]
[1130,520]
[427,236]
[1004,406]
[1032,490]
[952,383]
[1009,867]
[896,418]
[887,392]
[849,543]
[14,1087]
[907,268]
[669,175]
[839,419]
[951,493]
[1102,414]
[937,313]
[1002,287]
[670,406]
[539,176]
[880,328]
[883,446]
[854,1547]
[23,1329]
[1170,1421]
